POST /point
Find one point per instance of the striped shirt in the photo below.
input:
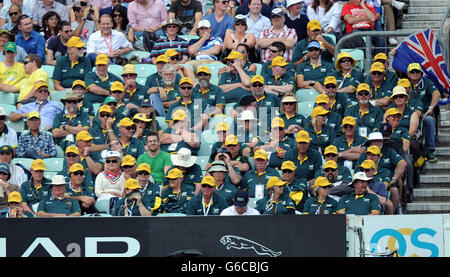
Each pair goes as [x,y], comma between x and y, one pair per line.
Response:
[209,44]
[162,44]
[43,143]
[287,33]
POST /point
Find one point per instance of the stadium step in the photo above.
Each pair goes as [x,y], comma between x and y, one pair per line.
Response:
[428,3]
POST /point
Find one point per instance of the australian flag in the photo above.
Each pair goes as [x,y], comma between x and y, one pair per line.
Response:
[423,48]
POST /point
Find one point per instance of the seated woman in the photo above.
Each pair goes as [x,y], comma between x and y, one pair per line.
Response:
[238,36]
[321,133]
[120,22]
[289,113]
[328,14]
[50,22]
[276,202]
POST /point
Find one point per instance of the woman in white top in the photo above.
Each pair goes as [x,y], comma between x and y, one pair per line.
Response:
[110,182]
[328,14]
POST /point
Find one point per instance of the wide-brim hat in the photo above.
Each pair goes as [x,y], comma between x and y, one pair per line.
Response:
[183,158]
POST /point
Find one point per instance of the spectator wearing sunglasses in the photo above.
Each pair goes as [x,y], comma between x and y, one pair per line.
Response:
[351,145]
[32,65]
[70,121]
[321,202]
[380,87]
[239,35]
[79,87]
[255,179]
[130,145]
[149,190]
[221,21]
[79,190]
[390,76]
[224,188]
[18,175]
[236,82]
[338,101]
[296,188]
[171,41]
[129,167]
[294,121]
[208,201]
[71,67]
[110,183]
[14,12]
[276,201]
[279,81]
[104,130]
[123,108]
[177,60]
[89,158]
[176,196]
[321,133]
[57,45]
[210,93]
[347,76]
[368,116]
[331,154]
[41,8]
[72,157]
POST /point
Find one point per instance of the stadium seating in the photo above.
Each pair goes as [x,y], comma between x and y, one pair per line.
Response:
[358,55]
[102,205]
[305,108]
[23,161]
[202,161]
[209,136]
[145,70]
[57,95]
[205,149]
[306,95]
[49,69]
[8,98]
[8,107]
[54,164]
[162,122]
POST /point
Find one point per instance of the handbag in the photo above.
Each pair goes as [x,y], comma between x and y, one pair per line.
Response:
[149,40]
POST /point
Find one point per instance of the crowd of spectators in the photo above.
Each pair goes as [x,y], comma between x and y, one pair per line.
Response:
[139,149]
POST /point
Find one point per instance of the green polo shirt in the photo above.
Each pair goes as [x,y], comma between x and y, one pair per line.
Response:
[213,97]
[134,148]
[296,119]
[267,206]
[423,92]
[252,179]
[334,121]
[307,168]
[344,173]
[82,191]
[227,192]
[315,73]
[99,135]
[31,195]
[122,112]
[88,181]
[93,79]
[342,144]
[266,70]
[137,96]
[385,90]
[350,80]
[157,164]
[371,120]
[155,80]
[234,95]
[51,204]
[285,79]
[64,119]
[176,202]
[87,107]
[66,74]
[194,108]
[301,49]
[359,204]
[287,143]
[95,156]
[399,134]
[389,160]
[151,196]
[131,206]
[341,103]
[174,147]
[319,141]
[216,205]
[390,78]
[313,206]
[411,107]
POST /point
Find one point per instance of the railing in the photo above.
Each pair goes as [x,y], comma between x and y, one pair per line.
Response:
[443,37]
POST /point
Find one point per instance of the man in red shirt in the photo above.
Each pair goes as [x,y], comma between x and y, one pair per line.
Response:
[358,17]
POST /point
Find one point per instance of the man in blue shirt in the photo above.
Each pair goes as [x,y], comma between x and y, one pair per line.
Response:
[30,40]
[220,20]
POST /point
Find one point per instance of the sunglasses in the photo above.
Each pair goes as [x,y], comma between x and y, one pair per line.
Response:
[26,62]
[330,86]
[363,93]
[330,169]
[127,166]
[330,155]
[399,96]
[130,128]
[287,171]
[117,15]
[143,173]
[172,26]
[116,92]
[376,73]
[240,24]
[13,13]
[72,101]
[111,104]
[327,187]
[185,88]
[105,115]
[83,3]
[289,103]
[128,75]
[67,31]
[346,60]
[203,74]
[367,169]
[71,155]
[274,50]
[175,58]
[313,49]
[112,161]
[346,126]
[415,71]
[225,2]
[257,85]
[2,117]
[78,173]
[206,186]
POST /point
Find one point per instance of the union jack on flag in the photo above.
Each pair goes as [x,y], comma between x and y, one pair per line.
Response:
[424,48]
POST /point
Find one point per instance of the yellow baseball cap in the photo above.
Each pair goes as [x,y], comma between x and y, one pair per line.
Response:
[116,86]
[321,181]
[363,87]
[72,149]
[126,121]
[260,154]
[330,149]
[84,136]
[171,52]
[314,25]
[288,165]
[231,140]
[162,58]
[341,56]
[128,160]
[368,164]
[144,167]
[208,180]
[129,69]
[257,79]
[380,56]
[274,181]
[221,126]
[33,114]
[179,115]
[413,66]
[234,55]
[15,197]
[132,184]
[302,136]
[39,85]
[278,122]
[330,80]
[278,61]
[319,110]
[75,42]
[203,69]
[377,66]
[330,164]
[393,111]
[349,120]
[104,108]
[38,164]
[141,117]
[78,83]
[322,99]
[186,80]
[76,167]
[101,59]
[404,82]
[374,150]
[174,173]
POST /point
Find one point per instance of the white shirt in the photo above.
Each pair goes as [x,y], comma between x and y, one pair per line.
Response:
[105,45]
[232,211]
[256,27]
[330,19]
[9,138]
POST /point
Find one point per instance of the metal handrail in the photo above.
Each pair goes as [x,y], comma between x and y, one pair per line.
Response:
[441,35]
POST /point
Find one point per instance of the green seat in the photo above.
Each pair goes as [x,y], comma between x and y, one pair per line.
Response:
[141,81]
[49,174]
[258,68]
[220,118]
[116,69]
[102,205]
[209,136]
[214,69]
[202,161]
[188,37]
[49,69]
[358,55]
[145,70]
[8,97]
[305,108]
[252,202]
[18,126]
[138,53]
[23,161]
[59,152]
[205,149]
[57,95]
[306,95]
[54,164]
[8,108]
[229,107]
[162,122]
[95,107]
[333,37]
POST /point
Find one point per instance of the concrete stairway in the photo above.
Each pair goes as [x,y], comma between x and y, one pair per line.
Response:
[433,192]
[423,14]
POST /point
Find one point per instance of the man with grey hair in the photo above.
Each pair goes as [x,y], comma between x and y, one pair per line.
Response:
[166,92]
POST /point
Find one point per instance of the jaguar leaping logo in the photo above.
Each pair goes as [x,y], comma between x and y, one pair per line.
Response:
[236,242]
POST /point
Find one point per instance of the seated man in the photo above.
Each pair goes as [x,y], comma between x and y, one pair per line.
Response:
[279,81]
[253,179]
[99,82]
[17,174]
[277,48]
[12,73]
[331,154]
[312,74]
[347,76]
[31,41]
[175,197]
[32,65]
[338,101]
[135,93]
[209,198]
[71,67]
[208,92]
[78,190]
[133,204]
[358,17]
[236,82]
[57,45]
[35,144]
[380,87]
[192,172]
[36,188]
[145,15]
[171,41]
[188,14]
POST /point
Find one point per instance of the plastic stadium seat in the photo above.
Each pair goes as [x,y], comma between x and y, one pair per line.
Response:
[228,108]
[205,149]
[145,70]
[333,37]
[306,95]
[141,81]
[162,122]
[116,69]
[358,55]
[214,68]
[23,161]
[138,53]
[57,95]
[305,108]
[202,161]
[252,202]
[258,68]
[59,152]
[54,164]
[95,107]
[102,205]
[8,108]
[209,136]
[49,69]
[8,97]
[49,174]
[18,126]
